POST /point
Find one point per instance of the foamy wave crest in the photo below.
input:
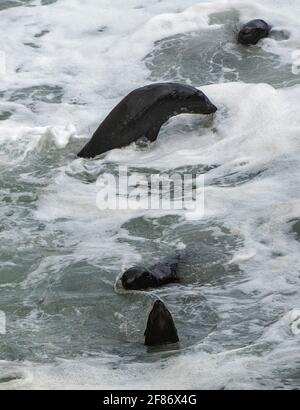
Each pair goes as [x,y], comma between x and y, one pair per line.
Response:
[19,142]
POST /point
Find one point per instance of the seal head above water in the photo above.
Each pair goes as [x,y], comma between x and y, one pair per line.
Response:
[162,273]
[253,31]
[160,326]
[142,113]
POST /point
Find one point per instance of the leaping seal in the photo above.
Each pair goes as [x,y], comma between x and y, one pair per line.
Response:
[142,113]
[253,31]
[160,326]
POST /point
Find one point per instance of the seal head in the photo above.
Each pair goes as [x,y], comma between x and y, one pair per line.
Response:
[253,31]
[138,277]
[160,326]
[162,273]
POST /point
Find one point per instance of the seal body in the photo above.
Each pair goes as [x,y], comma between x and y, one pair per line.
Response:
[139,277]
[160,326]
[253,31]
[142,113]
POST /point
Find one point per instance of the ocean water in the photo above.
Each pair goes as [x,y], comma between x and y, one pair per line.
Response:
[64,65]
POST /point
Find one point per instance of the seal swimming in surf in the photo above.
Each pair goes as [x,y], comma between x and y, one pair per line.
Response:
[197,263]
[160,326]
[142,113]
[253,31]
[162,273]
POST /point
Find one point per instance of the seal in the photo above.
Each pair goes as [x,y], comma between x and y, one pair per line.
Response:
[160,326]
[141,114]
[253,31]
[162,273]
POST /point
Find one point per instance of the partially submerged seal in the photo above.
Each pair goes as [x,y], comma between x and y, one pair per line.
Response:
[160,326]
[142,113]
[162,273]
[253,31]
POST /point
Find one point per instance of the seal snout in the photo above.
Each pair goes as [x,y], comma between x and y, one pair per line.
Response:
[213,109]
[159,307]
[204,105]
[209,108]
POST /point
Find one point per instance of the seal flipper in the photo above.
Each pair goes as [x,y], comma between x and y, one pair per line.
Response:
[150,136]
[153,134]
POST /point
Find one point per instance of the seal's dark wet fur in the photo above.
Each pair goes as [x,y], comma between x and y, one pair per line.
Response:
[162,273]
[160,326]
[142,113]
[253,31]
